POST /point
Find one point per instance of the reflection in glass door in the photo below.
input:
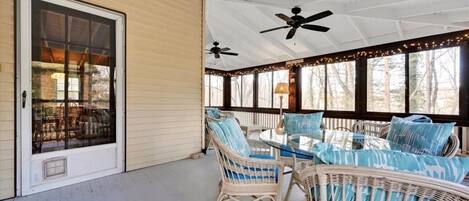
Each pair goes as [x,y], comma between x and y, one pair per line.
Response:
[73,73]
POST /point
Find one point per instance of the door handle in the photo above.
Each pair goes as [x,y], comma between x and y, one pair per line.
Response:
[24,94]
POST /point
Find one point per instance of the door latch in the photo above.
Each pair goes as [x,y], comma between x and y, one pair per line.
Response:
[24,94]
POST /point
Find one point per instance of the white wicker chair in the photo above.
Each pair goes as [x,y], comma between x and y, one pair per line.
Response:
[244,176]
[318,178]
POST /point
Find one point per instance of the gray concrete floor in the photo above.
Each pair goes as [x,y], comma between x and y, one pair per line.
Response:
[185,180]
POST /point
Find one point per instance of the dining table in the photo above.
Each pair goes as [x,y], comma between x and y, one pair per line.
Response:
[302,143]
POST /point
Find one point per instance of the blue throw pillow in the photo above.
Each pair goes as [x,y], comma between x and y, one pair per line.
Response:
[302,123]
[227,130]
[420,138]
[418,118]
[212,112]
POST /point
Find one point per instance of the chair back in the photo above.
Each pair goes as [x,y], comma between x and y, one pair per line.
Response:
[238,169]
[331,182]
[369,128]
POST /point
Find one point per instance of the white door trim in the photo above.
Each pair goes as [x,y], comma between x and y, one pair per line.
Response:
[23,80]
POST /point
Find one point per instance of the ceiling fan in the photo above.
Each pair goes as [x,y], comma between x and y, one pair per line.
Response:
[217,50]
[297,21]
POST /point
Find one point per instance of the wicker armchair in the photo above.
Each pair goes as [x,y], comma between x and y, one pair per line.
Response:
[246,176]
[320,178]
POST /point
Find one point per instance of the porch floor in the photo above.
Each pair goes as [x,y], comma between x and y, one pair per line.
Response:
[191,180]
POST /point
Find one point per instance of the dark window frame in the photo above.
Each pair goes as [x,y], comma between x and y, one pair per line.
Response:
[361,112]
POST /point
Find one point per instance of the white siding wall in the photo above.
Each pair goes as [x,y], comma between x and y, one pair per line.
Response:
[7,166]
[164,79]
[164,82]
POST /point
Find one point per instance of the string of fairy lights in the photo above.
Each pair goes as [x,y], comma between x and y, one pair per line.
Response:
[421,45]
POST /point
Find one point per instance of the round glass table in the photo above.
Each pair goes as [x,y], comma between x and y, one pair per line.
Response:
[302,143]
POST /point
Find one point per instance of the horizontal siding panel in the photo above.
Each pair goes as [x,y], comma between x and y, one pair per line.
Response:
[140,136]
[7,68]
[7,164]
[170,157]
[163,119]
[7,99]
[7,154]
[165,152]
[164,79]
[163,149]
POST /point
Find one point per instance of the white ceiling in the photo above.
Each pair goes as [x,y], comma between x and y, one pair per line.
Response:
[355,24]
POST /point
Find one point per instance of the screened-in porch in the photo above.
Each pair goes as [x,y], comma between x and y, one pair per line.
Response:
[234,100]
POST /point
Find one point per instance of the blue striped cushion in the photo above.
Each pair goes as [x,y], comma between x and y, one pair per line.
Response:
[450,169]
[230,134]
[302,123]
[420,138]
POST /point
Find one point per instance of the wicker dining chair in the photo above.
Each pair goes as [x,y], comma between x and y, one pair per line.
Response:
[247,176]
[383,184]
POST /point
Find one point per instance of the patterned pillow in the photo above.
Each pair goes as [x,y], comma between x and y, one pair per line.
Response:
[230,134]
[450,169]
[420,138]
[302,123]
[212,112]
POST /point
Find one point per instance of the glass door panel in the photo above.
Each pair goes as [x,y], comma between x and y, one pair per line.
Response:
[73,82]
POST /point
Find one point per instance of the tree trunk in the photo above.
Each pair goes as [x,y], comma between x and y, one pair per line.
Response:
[429,56]
[387,82]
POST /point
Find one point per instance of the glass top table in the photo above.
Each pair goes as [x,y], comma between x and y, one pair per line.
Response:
[302,143]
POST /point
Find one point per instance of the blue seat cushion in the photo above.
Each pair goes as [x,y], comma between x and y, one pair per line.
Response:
[262,156]
[285,153]
[302,123]
[227,130]
[420,138]
[212,112]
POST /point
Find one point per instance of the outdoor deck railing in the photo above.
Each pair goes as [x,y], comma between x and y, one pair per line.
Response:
[271,121]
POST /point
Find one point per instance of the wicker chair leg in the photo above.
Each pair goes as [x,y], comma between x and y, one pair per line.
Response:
[290,186]
[221,196]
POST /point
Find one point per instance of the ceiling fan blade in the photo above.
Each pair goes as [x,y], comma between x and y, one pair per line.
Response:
[284,17]
[315,27]
[291,33]
[317,16]
[217,56]
[273,29]
[229,53]
[225,49]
